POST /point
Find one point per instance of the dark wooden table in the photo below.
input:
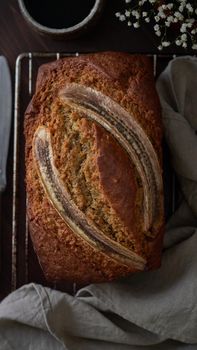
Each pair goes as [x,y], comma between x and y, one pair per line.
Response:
[17,37]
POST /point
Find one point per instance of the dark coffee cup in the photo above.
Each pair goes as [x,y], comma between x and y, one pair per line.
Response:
[61,18]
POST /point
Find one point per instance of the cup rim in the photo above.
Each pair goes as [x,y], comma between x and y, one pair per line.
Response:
[48,30]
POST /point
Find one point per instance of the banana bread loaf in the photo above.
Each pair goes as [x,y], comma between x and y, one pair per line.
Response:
[94,168]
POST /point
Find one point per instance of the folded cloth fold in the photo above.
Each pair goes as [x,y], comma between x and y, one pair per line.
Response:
[149,310]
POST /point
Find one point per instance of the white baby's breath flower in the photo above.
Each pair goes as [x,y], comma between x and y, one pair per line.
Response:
[184,44]
[129,23]
[170,6]
[147,19]
[144,14]
[189,25]
[136,25]
[189,8]
[190,20]
[160,47]
[156,27]
[178,42]
[135,13]
[167,24]
[156,18]
[194,46]
[193,31]
[117,14]
[175,20]
[127,13]
[184,37]
[166,43]
[181,8]
[183,28]
[158,33]
[127,1]
[122,18]
[170,19]
[152,1]
[178,15]
[163,15]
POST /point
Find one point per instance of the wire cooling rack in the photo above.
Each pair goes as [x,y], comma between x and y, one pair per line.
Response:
[25,266]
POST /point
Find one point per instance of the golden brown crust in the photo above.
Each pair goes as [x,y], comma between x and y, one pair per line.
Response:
[129,81]
[116,177]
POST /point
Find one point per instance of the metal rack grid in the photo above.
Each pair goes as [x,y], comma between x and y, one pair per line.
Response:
[26,75]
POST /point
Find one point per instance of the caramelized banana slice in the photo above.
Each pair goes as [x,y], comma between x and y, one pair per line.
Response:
[66,208]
